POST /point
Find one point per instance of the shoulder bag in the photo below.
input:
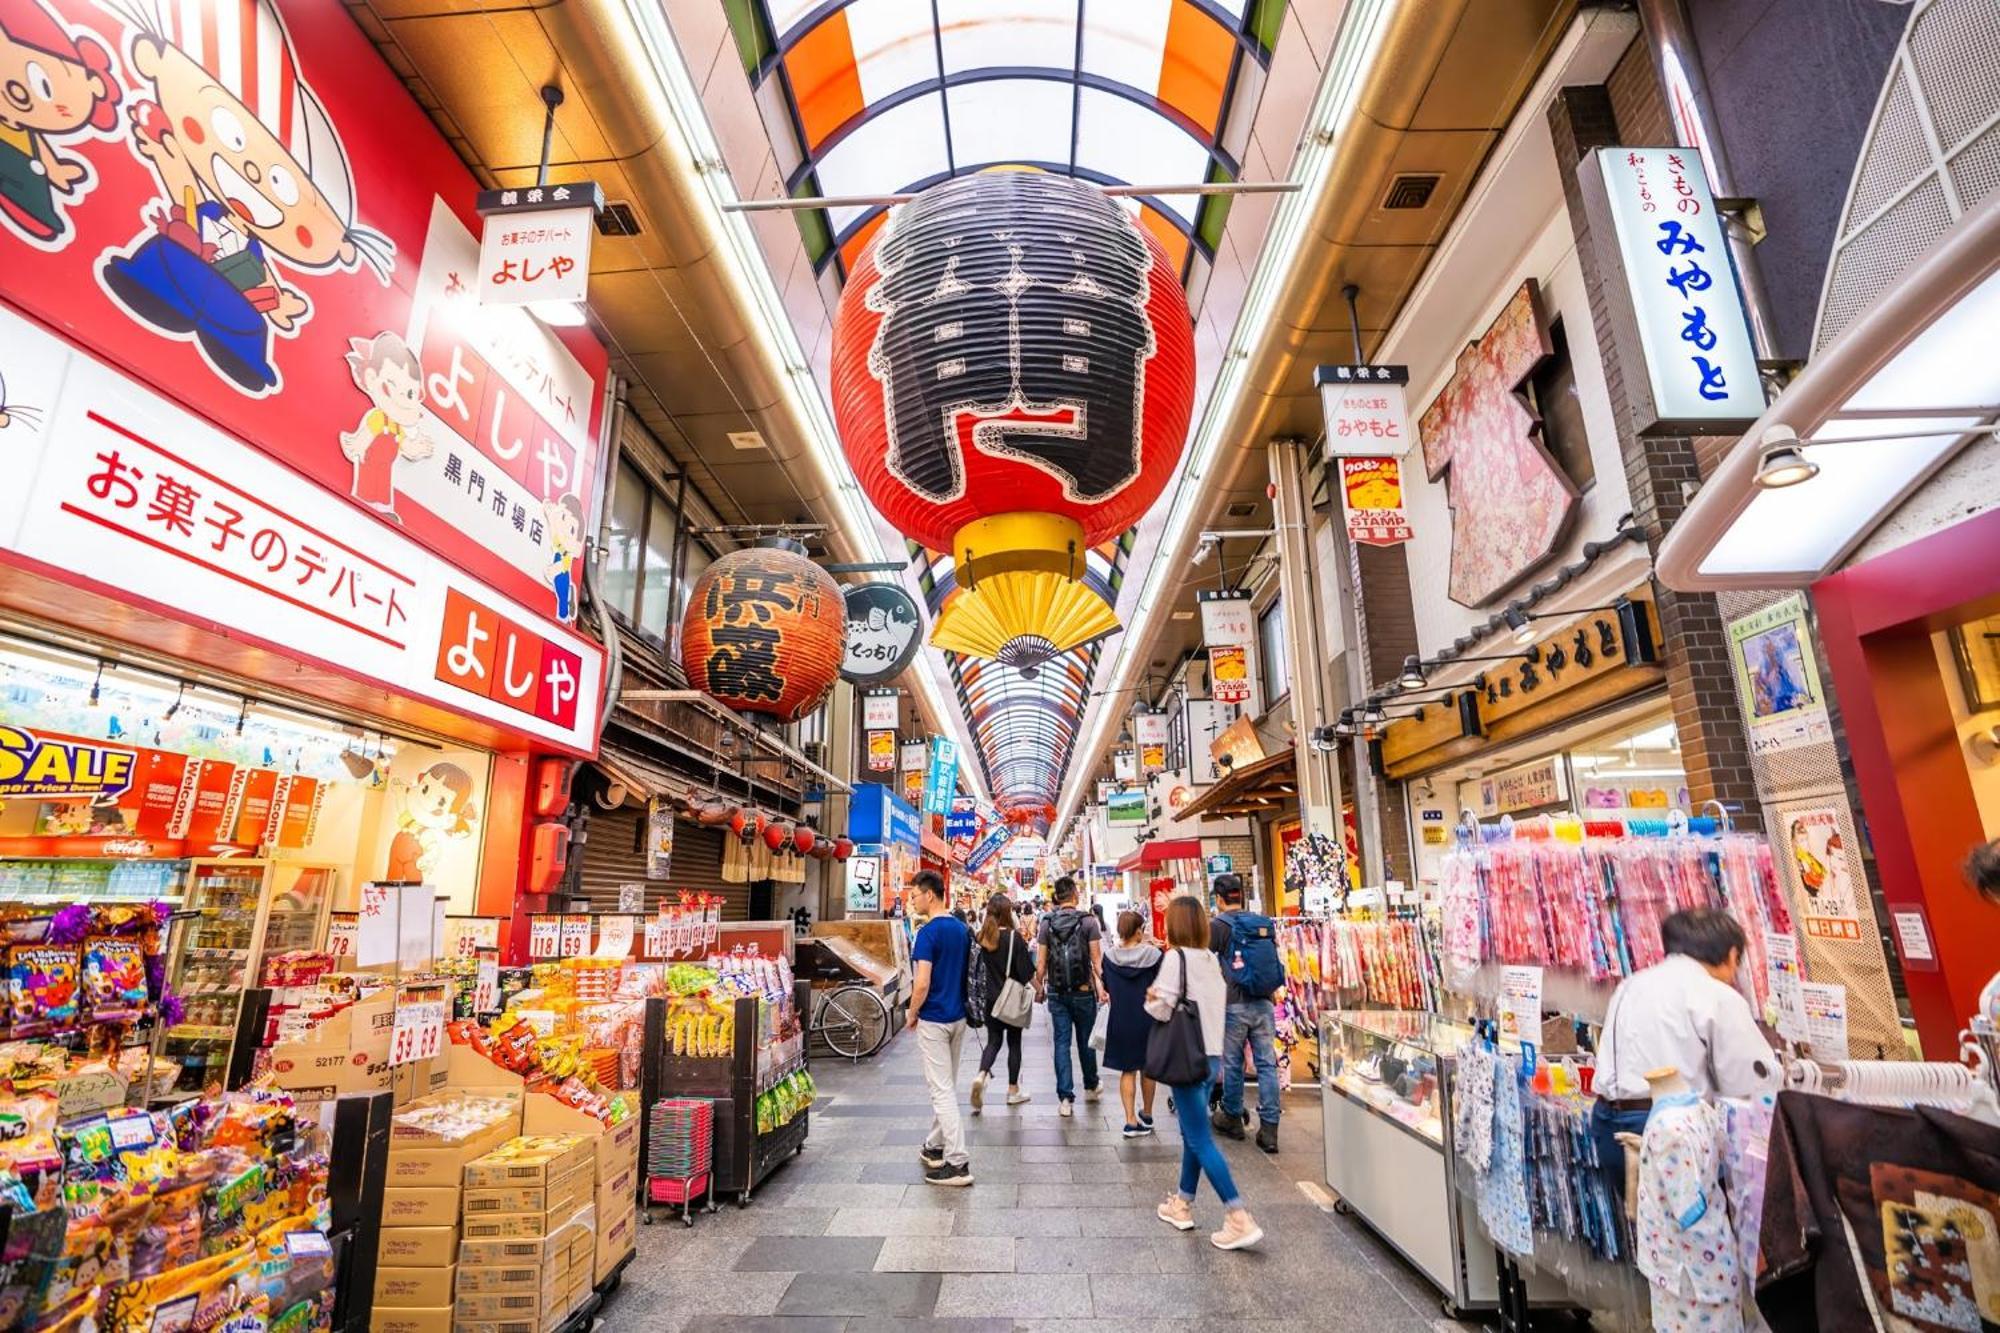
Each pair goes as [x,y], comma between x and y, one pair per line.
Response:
[1015,1003]
[1175,1053]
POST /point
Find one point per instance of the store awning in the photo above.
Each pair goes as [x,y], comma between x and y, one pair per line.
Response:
[642,780]
[1254,789]
[1160,851]
[1906,385]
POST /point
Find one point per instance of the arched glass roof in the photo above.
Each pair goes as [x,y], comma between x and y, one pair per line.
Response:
[873,97]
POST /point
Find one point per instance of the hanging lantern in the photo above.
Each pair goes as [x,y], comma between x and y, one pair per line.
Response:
[1013,372]
[843,848]
[740,823]
[804,840]
[777,834]
[764,631]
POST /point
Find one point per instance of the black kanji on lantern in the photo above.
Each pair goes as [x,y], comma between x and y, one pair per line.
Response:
[1028,338]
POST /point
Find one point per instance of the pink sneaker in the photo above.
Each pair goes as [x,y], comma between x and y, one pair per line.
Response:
[1177,1213]
[1239,1232]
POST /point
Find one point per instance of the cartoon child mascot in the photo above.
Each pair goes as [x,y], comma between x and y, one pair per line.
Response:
[388,372]
[437,806]
[563,517]
[53,85]
[252,177]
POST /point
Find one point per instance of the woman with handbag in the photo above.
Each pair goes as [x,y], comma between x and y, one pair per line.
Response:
[1129,968]
[1010,966]
[1189,1003]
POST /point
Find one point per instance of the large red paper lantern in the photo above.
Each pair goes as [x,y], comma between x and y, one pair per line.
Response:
[1013,372]
[764,631]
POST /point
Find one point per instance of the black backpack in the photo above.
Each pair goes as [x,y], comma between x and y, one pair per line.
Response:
[1069,954]
[977,983]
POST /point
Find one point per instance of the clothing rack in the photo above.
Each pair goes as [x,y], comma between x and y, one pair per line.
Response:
[1949,1086]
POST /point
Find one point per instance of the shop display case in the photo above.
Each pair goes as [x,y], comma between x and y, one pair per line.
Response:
[1385,1084]
[239,912]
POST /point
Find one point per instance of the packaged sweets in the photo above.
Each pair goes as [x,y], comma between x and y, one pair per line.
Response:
[114,978]
[42,982]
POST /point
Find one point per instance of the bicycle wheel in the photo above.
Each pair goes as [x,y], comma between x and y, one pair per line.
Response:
[854,1022]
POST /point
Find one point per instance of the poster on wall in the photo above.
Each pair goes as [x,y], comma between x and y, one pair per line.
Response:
[1777,677]
[1827,904]
[864,884]
[430,820]
[659,838]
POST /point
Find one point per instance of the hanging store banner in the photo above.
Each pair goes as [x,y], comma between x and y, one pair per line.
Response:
[990,845]
[123,493]
[1371,495]
[1126,807]
[864,884]
[1150,731]
[1207,719]
[1672,300]
[306,282]
[51,767]
[884,632]
[1105,786]
[962,823]
[1229,631]
[659,838]
[881,711]
[535,244]
[1238,744]
[1366,409]
[1125,767]
[1826,898]
[942,780]
[881,751]
[1777,677]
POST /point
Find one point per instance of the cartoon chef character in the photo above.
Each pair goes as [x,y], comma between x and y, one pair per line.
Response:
[388,372]
[437,806]
[54,84]
[253,181]
[11,411]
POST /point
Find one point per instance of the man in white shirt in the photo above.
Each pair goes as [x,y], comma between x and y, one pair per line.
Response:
[1684,1012]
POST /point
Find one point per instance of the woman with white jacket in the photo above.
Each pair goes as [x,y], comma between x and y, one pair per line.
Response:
[1189,968]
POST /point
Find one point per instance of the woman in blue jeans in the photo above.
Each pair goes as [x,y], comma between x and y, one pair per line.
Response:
[1189,968]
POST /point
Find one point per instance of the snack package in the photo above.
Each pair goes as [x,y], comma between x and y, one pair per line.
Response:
[114,978]
[42,987]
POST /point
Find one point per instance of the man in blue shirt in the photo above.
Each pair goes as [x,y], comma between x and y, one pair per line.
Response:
[937,1012]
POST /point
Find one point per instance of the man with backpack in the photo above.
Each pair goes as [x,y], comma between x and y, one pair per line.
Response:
[1069,976]
[1247,944]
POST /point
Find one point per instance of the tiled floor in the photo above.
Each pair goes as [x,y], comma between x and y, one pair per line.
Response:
[1058,1233]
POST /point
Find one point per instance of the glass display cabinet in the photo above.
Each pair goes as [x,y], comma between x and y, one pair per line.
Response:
[240,913]
[1385,1085]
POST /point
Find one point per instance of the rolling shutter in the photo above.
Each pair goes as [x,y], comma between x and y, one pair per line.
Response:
[614,855]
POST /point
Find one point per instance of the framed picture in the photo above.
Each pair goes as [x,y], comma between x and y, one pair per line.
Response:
[1975,646]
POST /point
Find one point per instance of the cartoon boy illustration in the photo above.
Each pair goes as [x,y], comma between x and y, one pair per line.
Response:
[252,176]
[385,369]
[563,517]
[53,85]
[437,806]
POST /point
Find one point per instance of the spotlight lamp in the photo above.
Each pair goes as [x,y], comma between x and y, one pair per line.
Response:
[1521,623]
[1782,461]
[1413,677]
[1344,728]
[1372,716]
[97,685]
[175,706]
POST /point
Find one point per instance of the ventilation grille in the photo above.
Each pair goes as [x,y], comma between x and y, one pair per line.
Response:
[1242,509]
[1406,192]
[617,220]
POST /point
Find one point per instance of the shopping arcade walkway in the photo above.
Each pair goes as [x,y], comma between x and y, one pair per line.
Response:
[1058,1233]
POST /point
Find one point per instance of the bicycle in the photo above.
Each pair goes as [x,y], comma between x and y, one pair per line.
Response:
[851,1019]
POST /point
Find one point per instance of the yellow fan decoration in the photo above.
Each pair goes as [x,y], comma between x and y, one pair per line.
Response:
[1021,598]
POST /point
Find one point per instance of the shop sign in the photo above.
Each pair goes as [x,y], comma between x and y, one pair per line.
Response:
[1207,719]
[535,244]
[876,816]
[943,779]
[881,751]
[990,846]
[1150,731]
[864,884]
[1529,787]
[1125,766]
[884,631]
[1105,786]
[149,504]
[912,764]
[881,710]
[1674,304]
[52,767]
[1826,897]
[312,292]
[962,823]
[1238,744]
[1126,807]
[1777,677]
[1229,632]
[1219,864]
[1371,495]
[659,838]
[1510,504]
[1366,413]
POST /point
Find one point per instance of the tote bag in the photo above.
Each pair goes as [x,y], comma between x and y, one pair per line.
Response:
[1015,1004]
[1175,1054]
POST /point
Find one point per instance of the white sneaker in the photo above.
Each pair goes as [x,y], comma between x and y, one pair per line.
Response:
[1092,1094]
[978,1095]
[1016,1097]
[1066,1109]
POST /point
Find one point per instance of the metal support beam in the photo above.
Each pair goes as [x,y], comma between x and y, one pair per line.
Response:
[722,713]
[1305,647]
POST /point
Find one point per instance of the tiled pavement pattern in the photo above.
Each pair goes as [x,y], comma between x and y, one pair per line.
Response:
[1057,1234]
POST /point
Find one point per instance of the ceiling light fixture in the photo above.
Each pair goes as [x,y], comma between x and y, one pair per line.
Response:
[175,706]
[97,685]
[1782,462]
[1413,677]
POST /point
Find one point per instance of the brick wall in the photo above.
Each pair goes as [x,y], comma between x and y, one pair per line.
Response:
[1388,614]
[1661,472]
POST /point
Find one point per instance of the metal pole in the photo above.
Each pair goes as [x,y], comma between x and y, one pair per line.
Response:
[1306,655]
[552,97]
[1367,801]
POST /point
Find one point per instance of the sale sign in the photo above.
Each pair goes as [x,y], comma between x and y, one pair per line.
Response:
[1371,494]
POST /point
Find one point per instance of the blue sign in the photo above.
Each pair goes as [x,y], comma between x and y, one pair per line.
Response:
[989,847]
[957,825]
[942,782]
[877,817]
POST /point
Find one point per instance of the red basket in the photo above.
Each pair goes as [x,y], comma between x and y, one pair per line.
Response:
[659,1189]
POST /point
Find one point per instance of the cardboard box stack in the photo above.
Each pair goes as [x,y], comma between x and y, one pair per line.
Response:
[617,1169]
[527,1260]
[431,1140]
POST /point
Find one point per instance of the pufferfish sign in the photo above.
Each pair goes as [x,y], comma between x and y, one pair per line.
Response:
[1013,372]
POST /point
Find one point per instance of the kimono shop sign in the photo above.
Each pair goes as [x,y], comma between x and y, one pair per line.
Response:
[256,219]
[124,492]
[1366,410]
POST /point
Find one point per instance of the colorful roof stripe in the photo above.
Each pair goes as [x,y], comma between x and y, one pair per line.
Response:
[874,97]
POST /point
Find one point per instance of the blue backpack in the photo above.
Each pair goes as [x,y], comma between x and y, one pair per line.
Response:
[1251,963]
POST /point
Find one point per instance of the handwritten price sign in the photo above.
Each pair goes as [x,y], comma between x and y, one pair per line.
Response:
[419,1032]
[575,936]
[544,936]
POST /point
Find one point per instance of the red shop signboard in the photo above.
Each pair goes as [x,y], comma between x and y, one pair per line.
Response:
[237,203]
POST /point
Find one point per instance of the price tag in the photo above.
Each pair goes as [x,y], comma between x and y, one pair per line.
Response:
[544,936]
[614,937]
[340,933]
[307,1245]
[1521,1003]
[656,937]
[486,987]
[419,1031]
[575,936]
[375,934]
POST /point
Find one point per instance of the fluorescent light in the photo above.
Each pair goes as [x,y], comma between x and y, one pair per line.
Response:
[558,314]
[1362,27]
